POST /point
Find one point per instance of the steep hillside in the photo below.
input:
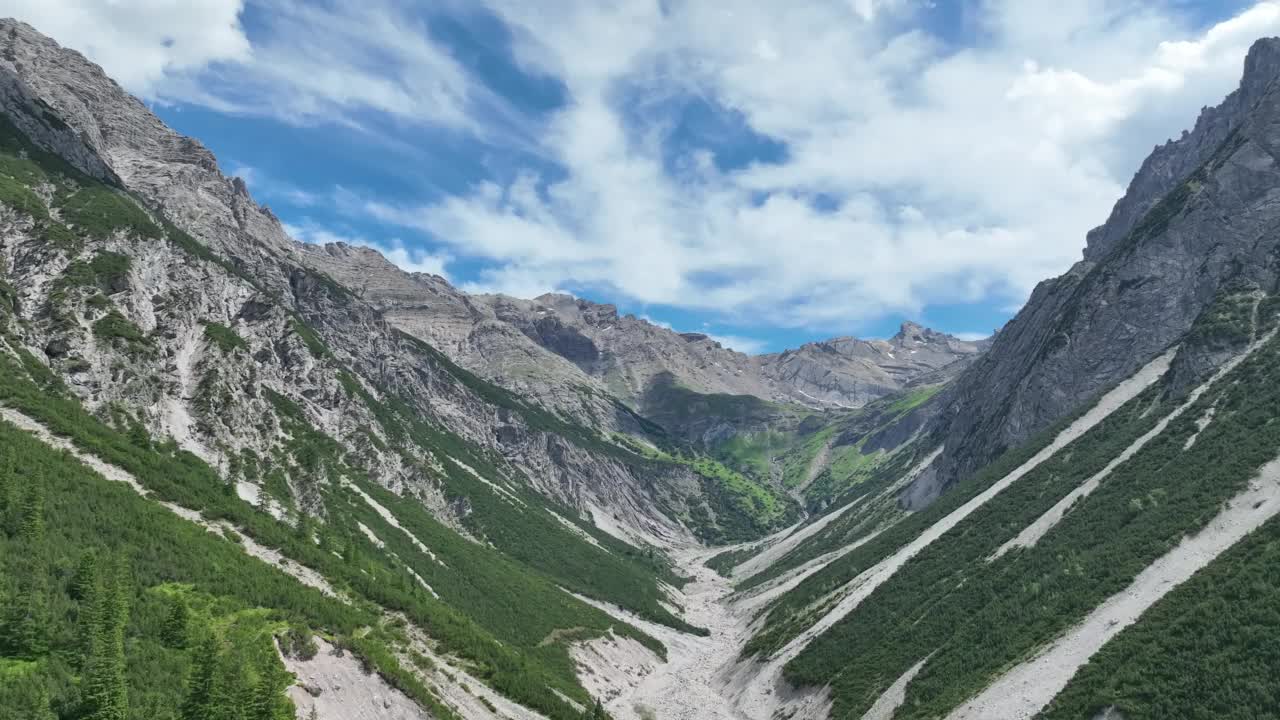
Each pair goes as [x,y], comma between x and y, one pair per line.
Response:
[243,478]
[158,321]
[1081,474]
[1196,216]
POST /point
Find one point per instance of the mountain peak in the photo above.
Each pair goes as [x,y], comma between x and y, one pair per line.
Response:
[1261,65]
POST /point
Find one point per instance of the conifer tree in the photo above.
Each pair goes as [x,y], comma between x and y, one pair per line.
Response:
[174,633]
[202,685]
[106,687]
[7,475]
[84,577]
[25,629]
[31,512]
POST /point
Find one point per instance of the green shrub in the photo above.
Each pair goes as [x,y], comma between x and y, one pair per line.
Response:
[116,326]
[98,211]
[224,337]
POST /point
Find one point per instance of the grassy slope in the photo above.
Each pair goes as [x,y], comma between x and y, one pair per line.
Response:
[1207,651]
[981,617]
[499,604]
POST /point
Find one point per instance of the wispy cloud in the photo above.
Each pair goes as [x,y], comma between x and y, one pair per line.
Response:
[914,171]
[914,174]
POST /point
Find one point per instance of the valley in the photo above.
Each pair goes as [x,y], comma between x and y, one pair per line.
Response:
[244,477]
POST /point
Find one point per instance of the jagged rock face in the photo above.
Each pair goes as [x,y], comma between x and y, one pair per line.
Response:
[212,402]
[849,371]
[574,355]
[631,356]
[470,333]
[1147,274]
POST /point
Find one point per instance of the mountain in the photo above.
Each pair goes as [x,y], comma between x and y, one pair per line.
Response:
[244,477]
[1195,218]
[555,346]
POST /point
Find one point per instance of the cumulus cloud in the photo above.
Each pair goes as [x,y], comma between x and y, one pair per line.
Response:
[916,173]
[141,43]
[306,62]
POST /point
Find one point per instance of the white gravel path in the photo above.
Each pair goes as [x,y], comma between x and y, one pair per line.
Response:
[793,537]
[789,540]
[391,520]
[1026,689]
[301,573]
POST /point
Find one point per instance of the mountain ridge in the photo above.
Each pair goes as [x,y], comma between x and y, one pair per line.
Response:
[285,472]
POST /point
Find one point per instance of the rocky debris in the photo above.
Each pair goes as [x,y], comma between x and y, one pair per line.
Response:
[631,355]
[575,355]
[216,402]
[1023,691]
[334,686]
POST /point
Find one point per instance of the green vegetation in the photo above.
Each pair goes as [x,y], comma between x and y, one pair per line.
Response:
[911,399]
[479,588]
[978,618]
[519,521]
[309,338]
[226,339]
[725,562]
[1206,651]
[1268,314]
[791,612]
[98,211]
[114,326]
[86,566]
[754,453]
[1228,321]
[737,507]
[855,523]
[24,167]
[20,197]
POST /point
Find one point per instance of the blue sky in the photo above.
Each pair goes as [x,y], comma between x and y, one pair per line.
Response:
[770,173]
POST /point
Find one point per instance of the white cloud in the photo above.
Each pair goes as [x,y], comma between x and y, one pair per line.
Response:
[407,258]
[972,336]
[945,175]
[747,345]
[141,42]
[305,62]
[916,173]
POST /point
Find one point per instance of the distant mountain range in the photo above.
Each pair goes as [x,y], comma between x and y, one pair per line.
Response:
[247,478]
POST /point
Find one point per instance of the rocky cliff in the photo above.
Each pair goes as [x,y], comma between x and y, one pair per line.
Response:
[1198,215]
